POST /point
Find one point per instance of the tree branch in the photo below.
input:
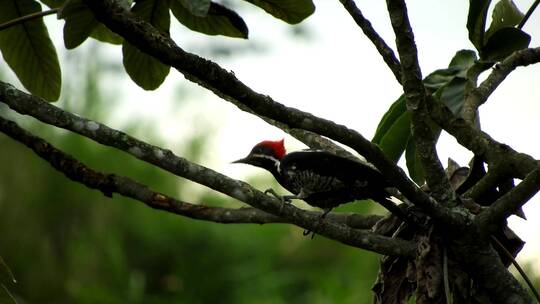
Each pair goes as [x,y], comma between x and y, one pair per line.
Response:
[384,50]
[424,137]
[28,17]
[111,183]
[528,14]
[224,84]
[491,219]
[480,143]
[479,96]
[165,159]
[484,265]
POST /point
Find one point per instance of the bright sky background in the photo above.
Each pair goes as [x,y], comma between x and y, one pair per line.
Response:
[335,74]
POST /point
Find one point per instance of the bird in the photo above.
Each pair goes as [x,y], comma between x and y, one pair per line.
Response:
[318,177]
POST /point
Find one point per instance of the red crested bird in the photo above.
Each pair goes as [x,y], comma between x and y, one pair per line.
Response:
[320,178]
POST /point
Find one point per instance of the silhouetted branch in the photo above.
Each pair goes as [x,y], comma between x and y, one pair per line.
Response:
[480,143]
[479,96]
[165,159]
[492,218]
[386,52]
[424,136]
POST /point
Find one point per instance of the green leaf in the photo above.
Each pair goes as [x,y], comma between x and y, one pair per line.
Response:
[290,11]
[145,70]
[53,3]
[414,166]
[394,141]
[219,21]
[393,132]
[463,59]
[29,51]
[80,23]
[396,110]
[198,8]
[439,78]
[476,21]
[452,94]
[503,43]
[103,34]
[6,276]
[5,296]
[505,14]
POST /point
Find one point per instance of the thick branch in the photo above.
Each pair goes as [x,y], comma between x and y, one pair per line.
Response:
[478,96]
[165,159]
[424,137]
[484,265]
[111,183]
[487,183]
[491,219]
[386,52]
[481,144]
[226,85]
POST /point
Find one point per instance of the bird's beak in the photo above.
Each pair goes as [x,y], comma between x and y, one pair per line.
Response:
[244,160]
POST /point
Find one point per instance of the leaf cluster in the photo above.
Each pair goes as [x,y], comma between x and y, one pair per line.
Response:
[30,53]
[451,85]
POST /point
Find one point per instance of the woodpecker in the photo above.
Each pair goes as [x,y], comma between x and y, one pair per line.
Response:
[318,177]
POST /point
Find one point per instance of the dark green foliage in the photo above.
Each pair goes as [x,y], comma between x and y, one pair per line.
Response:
[503,43]
[448,85]
[29,51]
[80,22]
[103,34]
[290,11]
[198,8]
[219,20]
[53,3]
[502,38]
[476,21]
[145,70]
[505,14]
[32,56]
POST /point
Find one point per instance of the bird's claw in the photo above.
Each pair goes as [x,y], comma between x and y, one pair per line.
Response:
[284,199]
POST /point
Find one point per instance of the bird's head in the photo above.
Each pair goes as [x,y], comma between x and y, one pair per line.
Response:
[266,154]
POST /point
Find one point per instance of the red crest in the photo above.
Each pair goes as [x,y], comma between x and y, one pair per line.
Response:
[278,146]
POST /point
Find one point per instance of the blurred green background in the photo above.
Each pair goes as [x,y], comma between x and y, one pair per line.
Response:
[68,244]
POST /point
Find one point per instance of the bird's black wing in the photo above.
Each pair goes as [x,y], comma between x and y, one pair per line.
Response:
[327,164]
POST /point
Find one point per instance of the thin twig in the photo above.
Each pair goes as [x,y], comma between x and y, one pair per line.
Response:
[386,52]
[446,280]
[527,15]
[28,17]
[518,267]
[479,96]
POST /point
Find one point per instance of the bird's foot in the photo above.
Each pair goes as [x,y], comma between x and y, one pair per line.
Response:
[308,232]
[320,223]
[286,199]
